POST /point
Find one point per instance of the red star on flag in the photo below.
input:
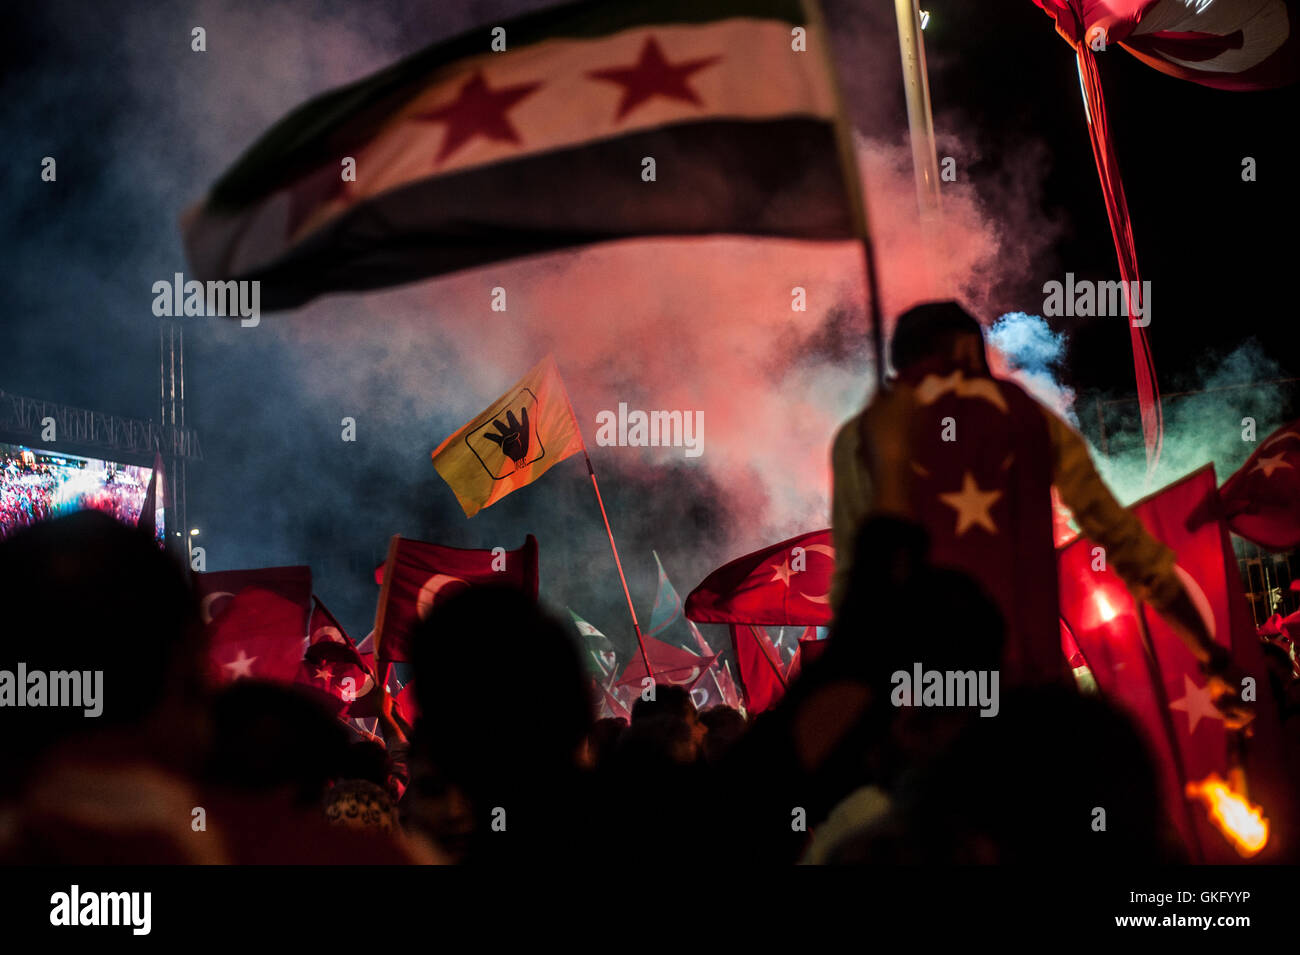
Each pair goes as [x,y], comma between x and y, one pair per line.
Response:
[652,75]
[478,111]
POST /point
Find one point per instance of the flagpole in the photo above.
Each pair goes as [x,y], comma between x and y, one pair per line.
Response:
[920,125]
[382,607]
[640,641]
[855,192]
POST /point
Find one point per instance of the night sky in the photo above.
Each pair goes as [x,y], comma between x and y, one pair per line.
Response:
[141,127]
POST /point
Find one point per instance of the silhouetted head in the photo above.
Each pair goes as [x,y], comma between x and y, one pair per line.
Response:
[654,743]
[269,737]
[1032,785]
[366,759]
[937,330]
[86,594]
[501,688]
[604,736]
[668,700]
[725,727]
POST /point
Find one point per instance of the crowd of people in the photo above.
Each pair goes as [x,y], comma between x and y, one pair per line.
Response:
[515,768]
[33,489]
[177,771]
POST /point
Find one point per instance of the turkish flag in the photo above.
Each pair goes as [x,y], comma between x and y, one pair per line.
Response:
[759,665]
[334,668]
[1231,46]
[418,574]
[256,621]
[787,584]
[1261,500]
[670,664]
[1163,689]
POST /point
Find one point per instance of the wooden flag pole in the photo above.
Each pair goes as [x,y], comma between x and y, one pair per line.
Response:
[645,658]
[853,189]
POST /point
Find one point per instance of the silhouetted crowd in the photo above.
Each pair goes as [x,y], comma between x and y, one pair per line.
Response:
[506,763]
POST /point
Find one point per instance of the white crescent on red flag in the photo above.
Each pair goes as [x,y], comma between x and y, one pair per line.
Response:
[1237,45]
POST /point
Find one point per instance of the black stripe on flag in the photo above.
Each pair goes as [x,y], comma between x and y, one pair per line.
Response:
[773,177]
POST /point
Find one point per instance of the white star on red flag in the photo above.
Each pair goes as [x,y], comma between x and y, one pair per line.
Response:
[1197,703]
[241,666]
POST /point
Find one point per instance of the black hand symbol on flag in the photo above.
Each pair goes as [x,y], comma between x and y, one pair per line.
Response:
[513,438]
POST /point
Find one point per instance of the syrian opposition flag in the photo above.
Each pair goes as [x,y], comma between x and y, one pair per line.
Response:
[669,610]
[1238,45]
[334,668]
[671,665]
[520,437]
[666,620]
[600,655]
[418,574]
[256,621]
[467,154]
[1261,500]
[787,584]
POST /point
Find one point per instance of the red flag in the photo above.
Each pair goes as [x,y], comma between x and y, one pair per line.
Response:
[418,574]
[335,668]
[759,665]
[256,621]
[405,703]
[1283,632]
[1230,46]
[986,504]
[671,665]
[730,696]
[808,651]
[1261,500]
[610,705]
[787,584]
[1166,691]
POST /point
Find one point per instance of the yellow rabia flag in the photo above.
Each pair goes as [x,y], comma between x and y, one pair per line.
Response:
[517,440]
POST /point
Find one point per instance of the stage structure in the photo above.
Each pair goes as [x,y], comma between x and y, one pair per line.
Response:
[183,443]
[131,440]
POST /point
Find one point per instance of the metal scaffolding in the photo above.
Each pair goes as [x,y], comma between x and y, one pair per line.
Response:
[81,429]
